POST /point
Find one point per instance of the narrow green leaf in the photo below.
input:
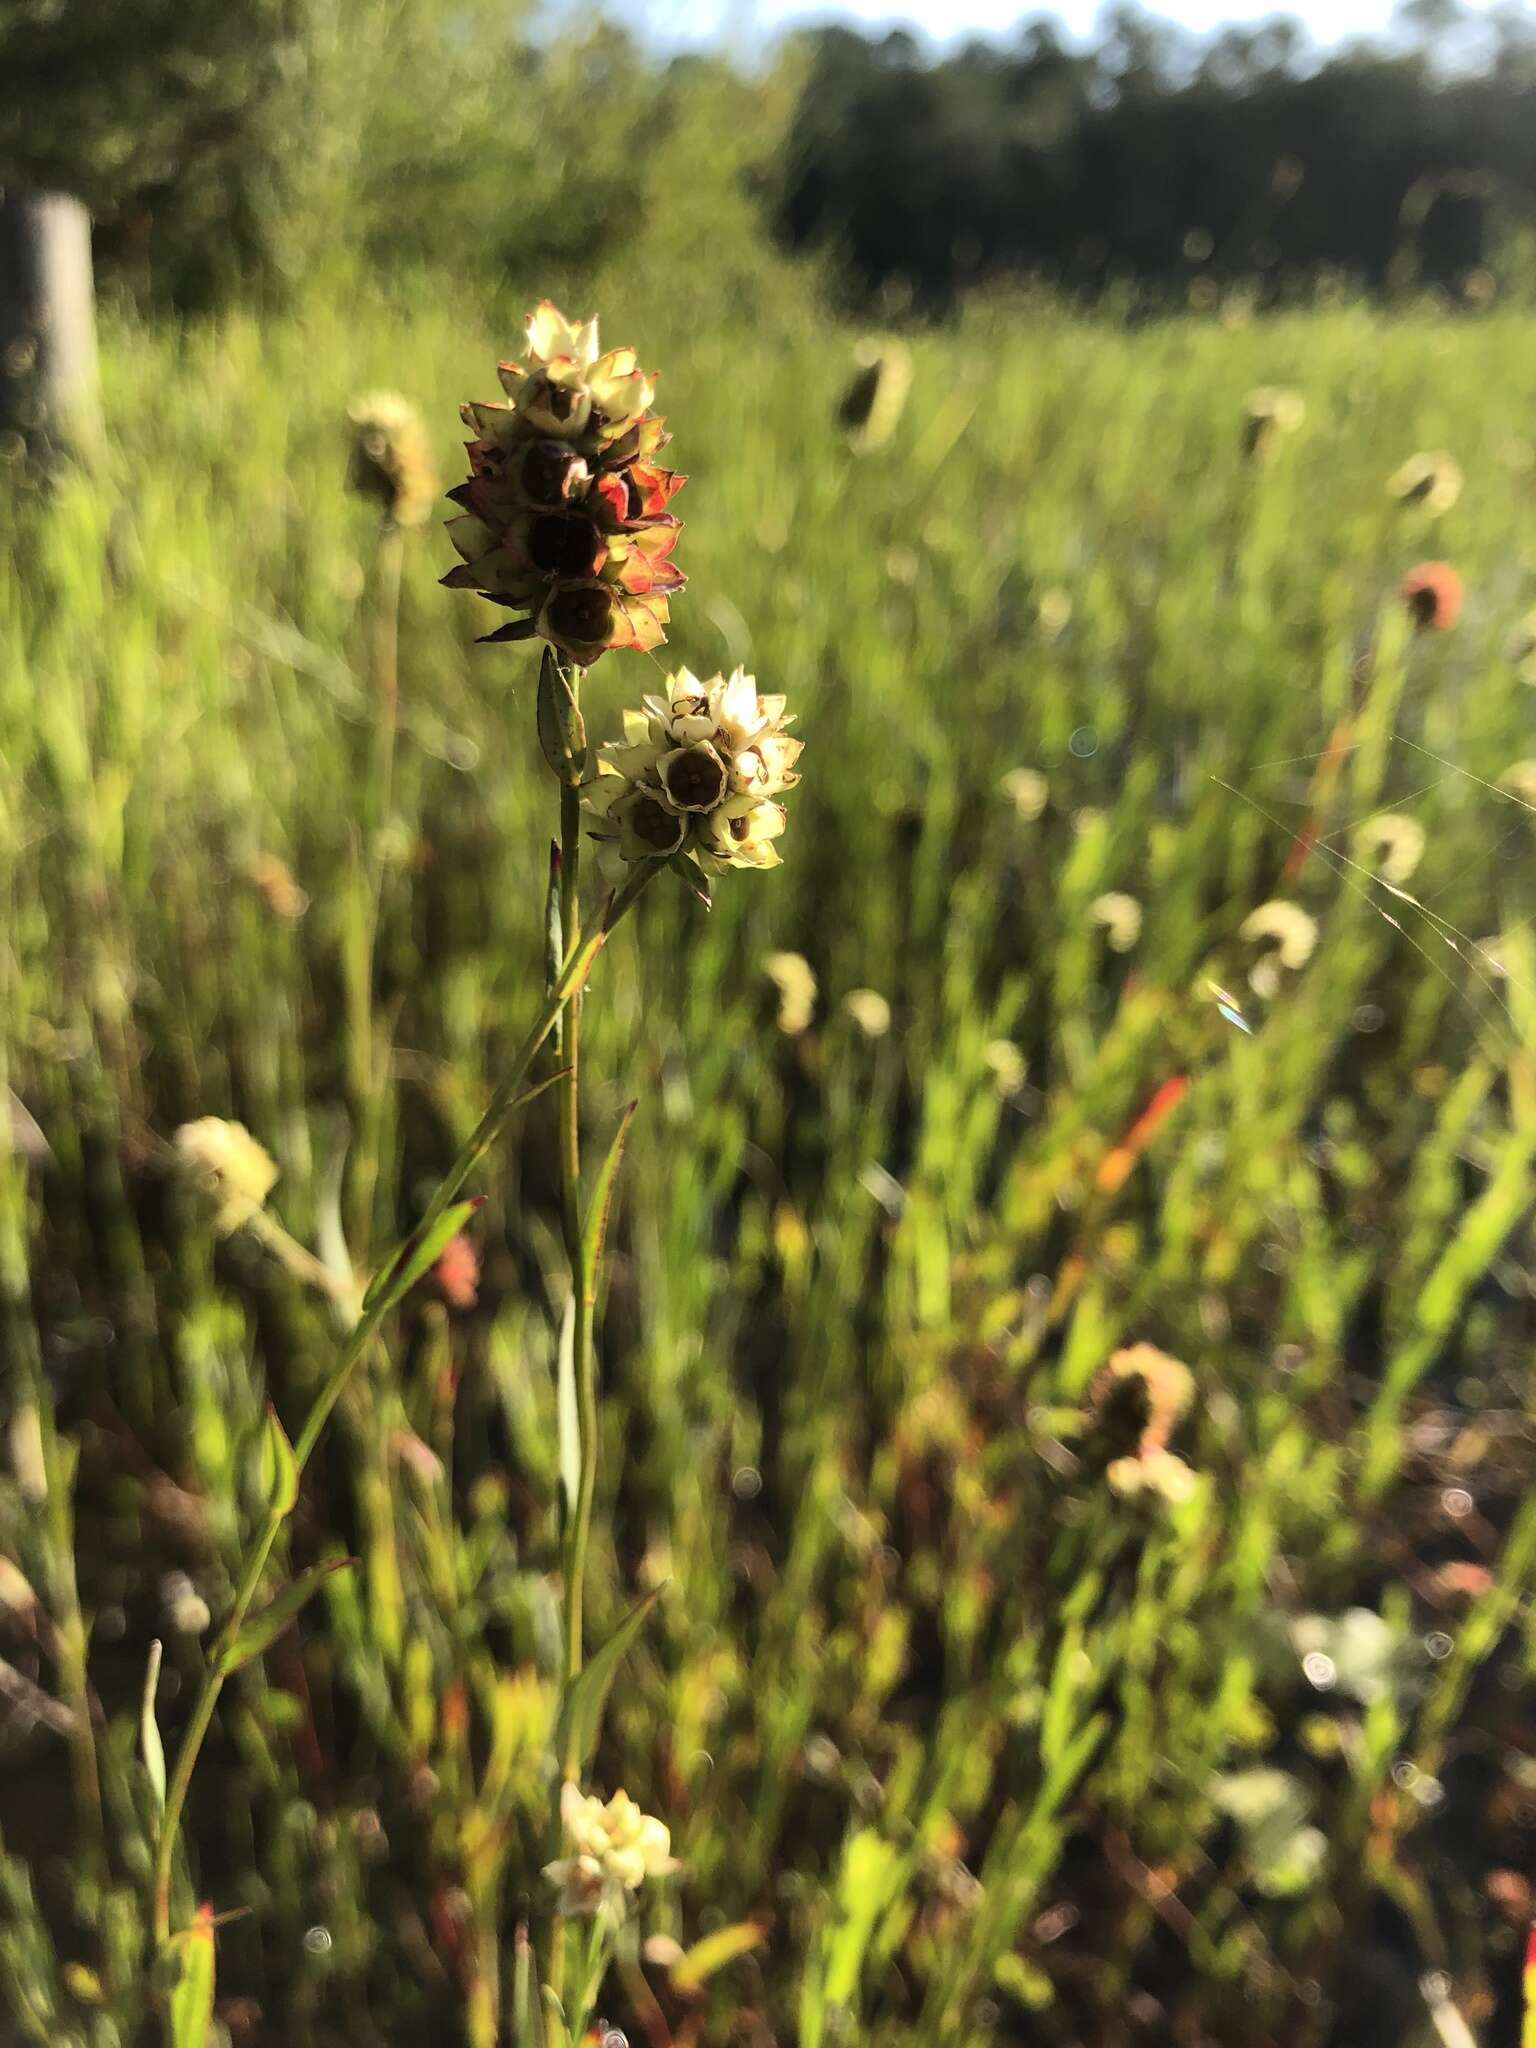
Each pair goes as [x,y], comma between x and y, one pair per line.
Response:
[191,2003]
[567,1413]
[595,1231]
[152,1748]
[279,1467]
[416,1256]
[527,2014]
[693,1970]
[558,2033]
[581,1711]
[262,1629]
[562,729]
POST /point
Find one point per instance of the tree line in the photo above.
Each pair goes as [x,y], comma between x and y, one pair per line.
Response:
[1156,160]
[233,148]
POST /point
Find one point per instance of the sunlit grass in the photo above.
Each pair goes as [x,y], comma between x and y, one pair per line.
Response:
[968,1732]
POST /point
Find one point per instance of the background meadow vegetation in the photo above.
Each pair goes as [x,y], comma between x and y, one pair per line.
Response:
[958,1744]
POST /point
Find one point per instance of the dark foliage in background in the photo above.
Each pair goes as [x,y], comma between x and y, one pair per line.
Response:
[1154,159]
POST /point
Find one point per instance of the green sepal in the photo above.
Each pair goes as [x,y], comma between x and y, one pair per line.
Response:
[562,729]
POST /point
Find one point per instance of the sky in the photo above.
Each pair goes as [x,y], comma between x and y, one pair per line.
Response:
[947,21]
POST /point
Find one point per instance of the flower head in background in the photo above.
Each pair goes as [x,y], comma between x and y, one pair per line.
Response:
[1286,938]
[565,515]
[614,1848]
[794,979]
[230,1166]
[1519,778]
[1028,791]
[1270,413]
[1119,917]
[868,1011]
[1151,1392]
[1432,593]
[1431,479]
[391,459]
[698,772]
[1391,845]
[870,409]
[456,1272]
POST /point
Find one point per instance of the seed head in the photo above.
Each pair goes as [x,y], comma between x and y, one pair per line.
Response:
[565,512]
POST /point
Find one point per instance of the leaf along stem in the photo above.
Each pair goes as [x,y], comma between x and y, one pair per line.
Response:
[579,960]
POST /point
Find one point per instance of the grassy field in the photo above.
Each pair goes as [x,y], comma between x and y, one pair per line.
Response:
[972,1743]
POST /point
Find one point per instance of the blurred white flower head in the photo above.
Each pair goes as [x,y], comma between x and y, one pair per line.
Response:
[231,1167]
[1391,845]
[794,978]
[614,1848]
[1286,936]
[1120,917]
[868,1010]
[1028,791]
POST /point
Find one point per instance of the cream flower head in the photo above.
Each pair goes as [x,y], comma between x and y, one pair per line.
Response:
[230,1165]
[614,1849]
[697,772]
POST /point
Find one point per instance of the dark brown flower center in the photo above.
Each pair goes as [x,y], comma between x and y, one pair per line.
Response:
[655,825]
[560,546]
[695,779]
[548,472]
[585,615]
[560,399]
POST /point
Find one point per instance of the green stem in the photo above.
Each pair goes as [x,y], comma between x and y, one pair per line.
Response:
[578,965]
[371,874]
[570,1190]
[386,669]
